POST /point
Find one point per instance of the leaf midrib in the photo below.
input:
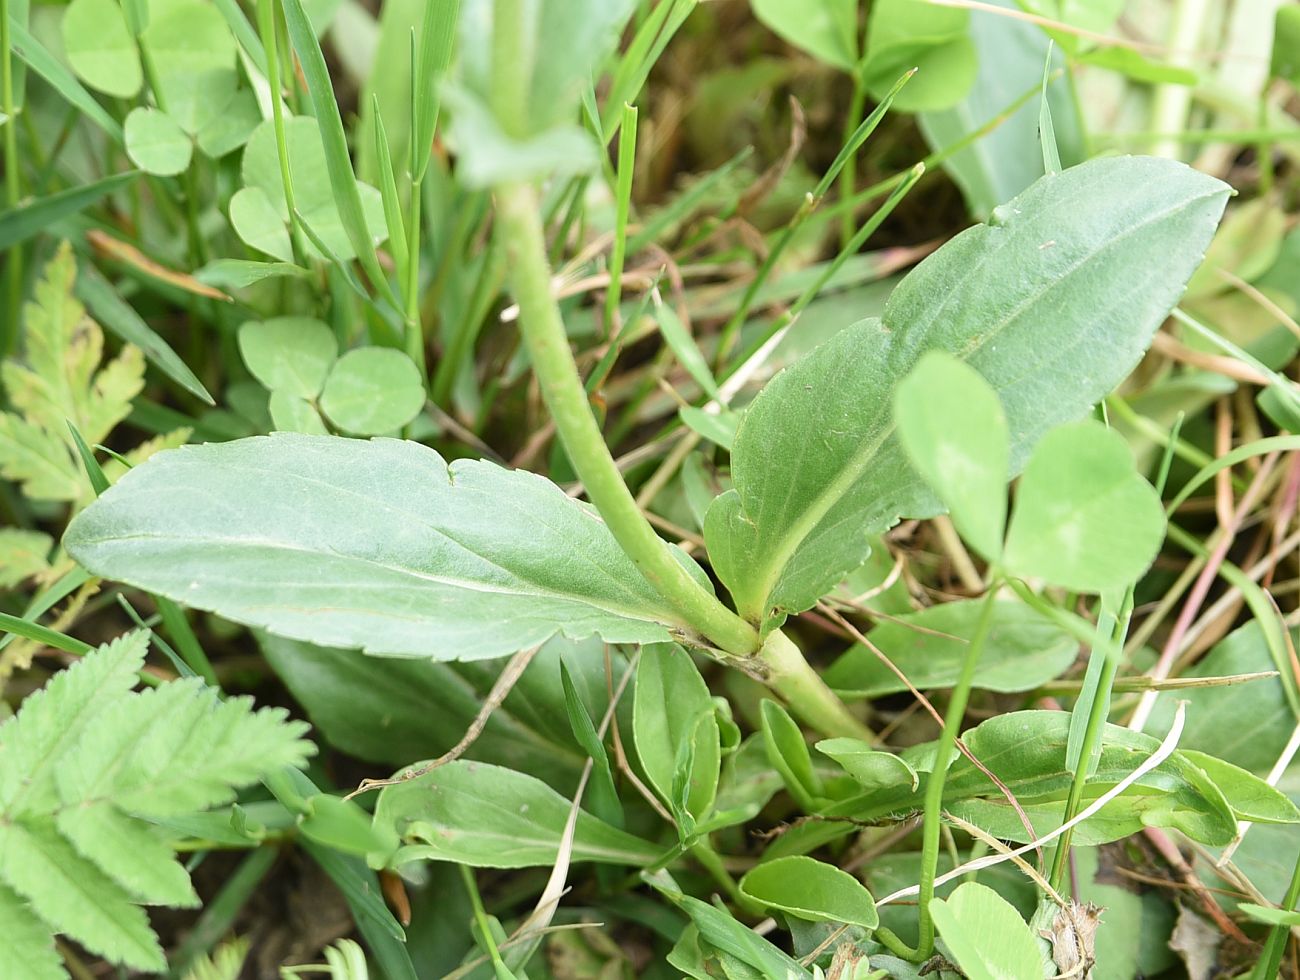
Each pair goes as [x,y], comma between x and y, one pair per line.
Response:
[789,542]
[467,584]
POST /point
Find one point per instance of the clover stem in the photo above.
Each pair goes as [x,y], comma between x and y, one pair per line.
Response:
[943,755]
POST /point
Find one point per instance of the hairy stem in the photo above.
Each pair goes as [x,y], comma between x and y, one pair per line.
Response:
[518,212]
[548,346]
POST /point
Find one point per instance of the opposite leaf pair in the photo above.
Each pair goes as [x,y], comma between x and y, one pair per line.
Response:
[1084,518]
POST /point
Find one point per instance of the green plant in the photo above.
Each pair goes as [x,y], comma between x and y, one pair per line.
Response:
[700,568]
[96,780]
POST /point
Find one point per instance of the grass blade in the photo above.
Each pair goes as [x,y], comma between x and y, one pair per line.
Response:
[243,31]
[29,220]
[623,204]
[388,189]
[38,58]
[118,316]
[343,179]
[1046,131]
[437,40]
[42,634]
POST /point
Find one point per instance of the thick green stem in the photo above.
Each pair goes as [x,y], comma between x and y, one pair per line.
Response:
[943,755]
[519,226]
[802,688]
[512,63]
[548,346]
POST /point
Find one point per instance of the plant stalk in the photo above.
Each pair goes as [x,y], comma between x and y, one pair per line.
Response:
[803,689]
[267,15]
[518,215]
[548,346]
[943,755]
[1091,741]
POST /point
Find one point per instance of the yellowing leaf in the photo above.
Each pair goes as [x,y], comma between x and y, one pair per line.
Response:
[23,554]
[61,381]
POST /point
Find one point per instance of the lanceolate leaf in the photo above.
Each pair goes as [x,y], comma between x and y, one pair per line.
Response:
[379,545]
[1053,302]
[673,706]
[1026,751]
[813,890]
[491,817]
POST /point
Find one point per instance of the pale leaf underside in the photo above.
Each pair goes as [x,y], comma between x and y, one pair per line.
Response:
[375,545]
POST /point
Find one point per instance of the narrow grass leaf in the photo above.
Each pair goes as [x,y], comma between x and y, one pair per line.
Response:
[343,180]
[604,797]
[436,44]
[114,313]
[687,352]
[23,222]
[1046,131]
[39,59]
[388,188]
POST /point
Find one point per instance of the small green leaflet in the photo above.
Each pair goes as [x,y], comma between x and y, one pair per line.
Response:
[490,817]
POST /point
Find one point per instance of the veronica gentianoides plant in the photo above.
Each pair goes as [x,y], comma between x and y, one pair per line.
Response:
[384,547]
[1007,335]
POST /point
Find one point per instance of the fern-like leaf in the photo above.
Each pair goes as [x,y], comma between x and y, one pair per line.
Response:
[226,962]
[62,381]
[23,555]
[29,943]
[86,765]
